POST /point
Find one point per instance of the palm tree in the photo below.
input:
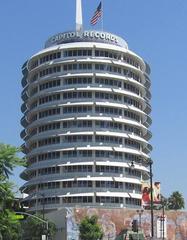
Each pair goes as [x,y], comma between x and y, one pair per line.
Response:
[8,160]
[175,201]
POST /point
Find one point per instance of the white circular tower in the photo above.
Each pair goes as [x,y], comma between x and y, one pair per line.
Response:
[86,118]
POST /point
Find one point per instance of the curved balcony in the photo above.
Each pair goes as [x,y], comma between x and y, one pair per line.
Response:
[24,94]
[24,122]
[24,149]
[23,134]
[23,107]
[24,175]
[24,81]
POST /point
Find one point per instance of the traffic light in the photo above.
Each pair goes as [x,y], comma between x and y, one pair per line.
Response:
[135,225]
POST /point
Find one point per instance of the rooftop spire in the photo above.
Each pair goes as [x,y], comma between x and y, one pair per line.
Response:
[79,26]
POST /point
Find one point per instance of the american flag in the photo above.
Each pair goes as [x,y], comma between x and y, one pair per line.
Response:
[96,15]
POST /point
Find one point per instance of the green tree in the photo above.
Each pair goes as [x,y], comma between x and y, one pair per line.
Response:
[175,201]
[9,160]
[90,229]
[33,228]
[9,226]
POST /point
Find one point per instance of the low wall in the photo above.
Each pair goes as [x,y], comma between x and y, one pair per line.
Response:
[113,221]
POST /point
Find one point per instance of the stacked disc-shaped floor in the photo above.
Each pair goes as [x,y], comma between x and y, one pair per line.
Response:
[86,118]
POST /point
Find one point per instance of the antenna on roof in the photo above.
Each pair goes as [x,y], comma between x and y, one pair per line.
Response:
[79,25]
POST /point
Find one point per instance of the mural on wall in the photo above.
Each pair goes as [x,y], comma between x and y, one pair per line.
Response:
[114,221]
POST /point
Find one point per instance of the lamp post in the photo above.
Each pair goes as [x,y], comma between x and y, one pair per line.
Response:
[140,212]
[43,206]
[150,163]
[151,203]
[43,203]
[163,217]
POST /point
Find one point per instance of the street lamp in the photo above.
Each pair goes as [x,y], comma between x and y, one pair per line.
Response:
[43,206]
[151,189]
[140,212]
[150,163]
[163,216]
[43,202]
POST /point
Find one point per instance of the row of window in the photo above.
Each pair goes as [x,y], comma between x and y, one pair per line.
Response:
[86,199]
[50,57]
[100,168]
[81,168]
[48,141]
[86,124]
[44,201]
[86,94]
[85,53]
[45,58]
[50,70]
[85,81]
[48,185]
[87,66]
[101,184]
[87,168]
[48,127]
[49,84]
[44,157]
[49,98]
[77,53]
[87,139]
[50,170]
[49,200]
[101,110]
[85,154]
[49,112]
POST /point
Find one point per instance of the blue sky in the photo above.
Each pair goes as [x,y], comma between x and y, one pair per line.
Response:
[156,30]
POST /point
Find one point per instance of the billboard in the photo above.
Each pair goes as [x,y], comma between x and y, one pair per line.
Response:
[146,193]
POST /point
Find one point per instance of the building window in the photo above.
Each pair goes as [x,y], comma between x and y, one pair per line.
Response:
[50,170]
[80,153]
[80,80]
[108,110]
[48,141]
[75,95]
[109,169]
[132,172]
[107,54]
[77,184]
[50,112]
[48,156]
[109,200]
[49,127]
[81,168]
[108,82]
[49,185]
[77,138]
[108,184]
[77,53]
[77,124]
[133,201]
[108,96]
[85,199]
[50,98]
[77,109]
[50,57]
[50,70]
[49,84]
[108,139]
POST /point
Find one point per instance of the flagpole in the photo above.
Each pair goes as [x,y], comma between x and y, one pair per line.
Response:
[102,21]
